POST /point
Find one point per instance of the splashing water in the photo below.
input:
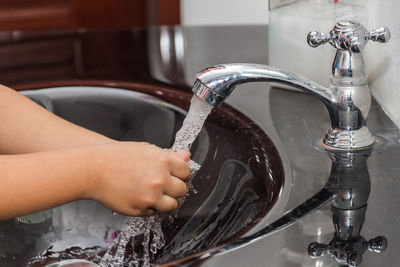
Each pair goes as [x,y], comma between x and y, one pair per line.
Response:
[136,226]
[151,226]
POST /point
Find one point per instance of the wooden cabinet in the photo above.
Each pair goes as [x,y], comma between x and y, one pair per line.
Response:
[38,14]
[73,14]
[63,53]
[39,56]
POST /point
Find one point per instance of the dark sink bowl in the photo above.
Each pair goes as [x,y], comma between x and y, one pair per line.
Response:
[239,182]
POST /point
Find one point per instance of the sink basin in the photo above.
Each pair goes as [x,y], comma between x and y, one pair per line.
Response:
[239,182]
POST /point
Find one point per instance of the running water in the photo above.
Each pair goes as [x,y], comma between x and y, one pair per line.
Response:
[151,226]
[192,124]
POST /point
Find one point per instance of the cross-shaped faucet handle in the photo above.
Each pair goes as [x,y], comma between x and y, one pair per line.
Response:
[349,35]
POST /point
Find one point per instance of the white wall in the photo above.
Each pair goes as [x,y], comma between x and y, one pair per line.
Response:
[383,60]
[220,12]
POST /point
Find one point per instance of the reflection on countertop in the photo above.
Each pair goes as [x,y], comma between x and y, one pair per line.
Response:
[355,178]
[350,184]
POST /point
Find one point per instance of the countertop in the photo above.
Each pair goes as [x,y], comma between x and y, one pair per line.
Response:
[294,121]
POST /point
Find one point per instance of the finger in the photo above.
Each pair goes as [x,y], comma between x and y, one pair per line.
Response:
[182,154]
[166,204]
[179,168]
[140,212]
[132,212]
[175,187]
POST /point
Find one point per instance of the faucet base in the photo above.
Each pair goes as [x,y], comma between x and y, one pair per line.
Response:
[338,139]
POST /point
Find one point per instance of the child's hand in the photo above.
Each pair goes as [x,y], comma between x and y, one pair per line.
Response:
[138,178]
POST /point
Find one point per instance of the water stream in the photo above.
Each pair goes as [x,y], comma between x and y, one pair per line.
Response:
[192,124]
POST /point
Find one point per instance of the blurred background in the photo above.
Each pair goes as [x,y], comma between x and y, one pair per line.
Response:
[73,14]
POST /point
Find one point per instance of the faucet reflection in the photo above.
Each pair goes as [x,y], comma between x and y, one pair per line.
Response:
[350,183]
[348,189]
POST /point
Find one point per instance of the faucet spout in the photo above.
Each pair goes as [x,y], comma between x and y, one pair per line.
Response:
[215,84]
[348,106]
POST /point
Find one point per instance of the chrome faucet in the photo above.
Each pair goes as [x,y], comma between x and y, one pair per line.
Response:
[347,99]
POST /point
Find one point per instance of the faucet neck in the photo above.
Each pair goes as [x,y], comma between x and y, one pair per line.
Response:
[348,69]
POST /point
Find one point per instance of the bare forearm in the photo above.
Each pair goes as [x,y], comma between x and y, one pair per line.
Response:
[26,127]
[56,162]
[128,177]
[38,181]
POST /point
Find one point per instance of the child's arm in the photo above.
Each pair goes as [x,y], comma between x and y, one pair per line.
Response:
[131,178]
[58,162]
[27,127]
